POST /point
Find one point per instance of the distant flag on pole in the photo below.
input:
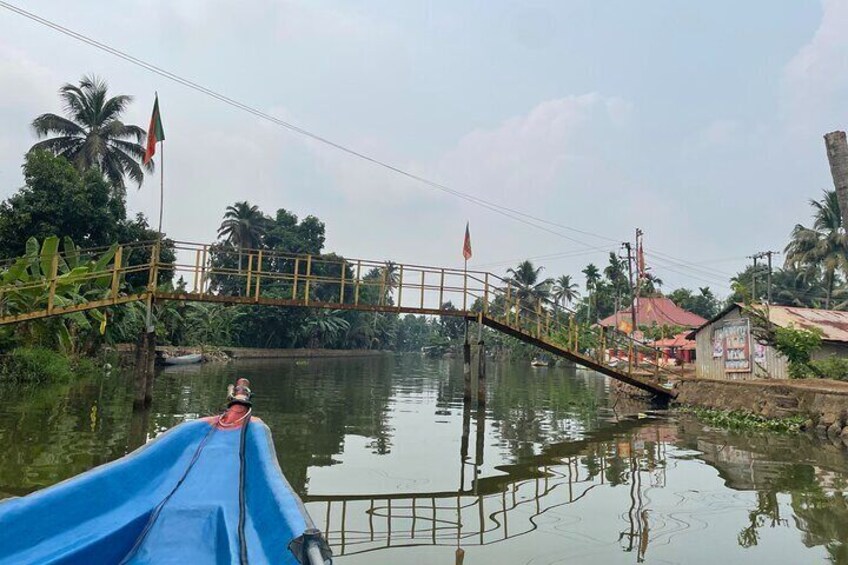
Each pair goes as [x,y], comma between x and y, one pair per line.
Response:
[466,246]
[155,133]
[640,261]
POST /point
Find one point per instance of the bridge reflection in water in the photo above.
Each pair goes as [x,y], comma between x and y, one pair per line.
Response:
[488,510]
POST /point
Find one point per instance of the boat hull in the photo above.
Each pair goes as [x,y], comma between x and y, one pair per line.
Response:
[104,515]
[183,359]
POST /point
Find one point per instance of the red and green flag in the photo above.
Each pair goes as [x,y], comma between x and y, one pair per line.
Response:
[155,133]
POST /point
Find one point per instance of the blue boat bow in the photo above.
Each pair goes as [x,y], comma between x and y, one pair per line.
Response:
[207,491]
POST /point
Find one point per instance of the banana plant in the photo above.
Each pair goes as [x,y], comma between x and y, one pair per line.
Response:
[25,287]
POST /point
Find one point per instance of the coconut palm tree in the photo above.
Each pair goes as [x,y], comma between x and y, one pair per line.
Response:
[529,287]
[243,226]
[824,246]
[565,290]
[92,133]
[593,277]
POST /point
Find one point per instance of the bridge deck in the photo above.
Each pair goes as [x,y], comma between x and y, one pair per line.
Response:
[47,285]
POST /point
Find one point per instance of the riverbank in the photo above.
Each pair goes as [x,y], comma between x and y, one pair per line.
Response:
[227,353]
[822,403]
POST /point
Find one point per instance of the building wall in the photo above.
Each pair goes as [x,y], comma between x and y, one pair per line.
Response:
[707,367]
[828,349]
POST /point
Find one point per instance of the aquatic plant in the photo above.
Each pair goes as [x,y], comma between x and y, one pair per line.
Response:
[741,420]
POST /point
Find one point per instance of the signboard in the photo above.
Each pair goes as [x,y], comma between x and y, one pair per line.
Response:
[737,346]
[759,353]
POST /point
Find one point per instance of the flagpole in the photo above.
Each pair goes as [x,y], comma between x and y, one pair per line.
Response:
[161,184]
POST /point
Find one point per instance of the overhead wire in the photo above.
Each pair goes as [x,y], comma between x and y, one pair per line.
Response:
[511,213]
[508,212]
[548,257]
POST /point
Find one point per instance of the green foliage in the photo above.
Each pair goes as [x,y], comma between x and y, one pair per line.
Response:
[655,331]
[58,199]
[797,345]
[704,304]
[81,207]
[831,367]
[821,252]
[92,135]
[745,421]
[78,281]
[35,365]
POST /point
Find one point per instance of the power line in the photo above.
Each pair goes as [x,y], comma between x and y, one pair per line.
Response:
[550,256]
[511,213]
[503,210]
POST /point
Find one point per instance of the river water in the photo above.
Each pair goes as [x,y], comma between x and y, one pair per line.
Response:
[395,470]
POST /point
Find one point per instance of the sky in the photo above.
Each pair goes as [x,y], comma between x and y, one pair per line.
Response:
[700,123]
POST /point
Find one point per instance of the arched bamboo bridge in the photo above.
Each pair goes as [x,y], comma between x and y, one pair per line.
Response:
[52,283]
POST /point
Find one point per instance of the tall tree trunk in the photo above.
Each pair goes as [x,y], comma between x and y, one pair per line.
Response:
[837,156]
[829,282]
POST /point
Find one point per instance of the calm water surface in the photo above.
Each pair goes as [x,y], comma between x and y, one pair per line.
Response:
[392,467]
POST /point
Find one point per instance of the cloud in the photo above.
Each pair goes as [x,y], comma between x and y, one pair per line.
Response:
[208,21]
[719,133]
[31,89]
[531,154]
[816,79]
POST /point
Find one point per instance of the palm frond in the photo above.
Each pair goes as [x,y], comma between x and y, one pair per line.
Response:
[51,123]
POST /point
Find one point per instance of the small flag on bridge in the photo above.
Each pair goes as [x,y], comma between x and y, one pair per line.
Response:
[466,246]
[155,133]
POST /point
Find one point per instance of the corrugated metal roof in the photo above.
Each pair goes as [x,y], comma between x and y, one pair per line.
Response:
[832,323]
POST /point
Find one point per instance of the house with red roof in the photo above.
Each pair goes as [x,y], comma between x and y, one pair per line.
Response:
[660,311]
[655,311]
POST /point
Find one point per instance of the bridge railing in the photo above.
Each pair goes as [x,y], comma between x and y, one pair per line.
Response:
[254,275]
[321,280]
[49,281]
[35,286]
[545,321]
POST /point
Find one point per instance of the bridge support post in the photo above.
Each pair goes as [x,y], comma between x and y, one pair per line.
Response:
[145,357]
[466,367]
[481,374]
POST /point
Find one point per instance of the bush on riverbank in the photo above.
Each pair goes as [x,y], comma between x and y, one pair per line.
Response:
[41,365]
[740,420]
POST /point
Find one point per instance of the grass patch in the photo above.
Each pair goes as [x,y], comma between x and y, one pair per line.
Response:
[26,365]
[739,420]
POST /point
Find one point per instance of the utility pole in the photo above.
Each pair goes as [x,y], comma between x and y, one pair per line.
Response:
[640,264]
[629,249]
[768,255]
[755,256]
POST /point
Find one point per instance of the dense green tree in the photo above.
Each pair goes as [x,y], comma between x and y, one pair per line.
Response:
[413,333]
[323,328]
[92,135]
[823,247]
[617,277]
[287,234]
[451,328]
[56,199]
[704,304]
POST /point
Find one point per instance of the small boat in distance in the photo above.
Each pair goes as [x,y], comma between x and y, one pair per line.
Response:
[190,359]
[540,362]
[206,491]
